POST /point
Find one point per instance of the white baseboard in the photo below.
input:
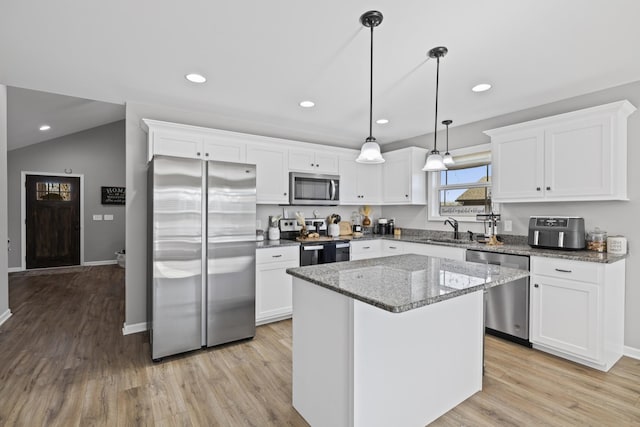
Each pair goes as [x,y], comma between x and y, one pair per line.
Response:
[14,269]
[107,262]
[634,353]
[5,316]
[134,329]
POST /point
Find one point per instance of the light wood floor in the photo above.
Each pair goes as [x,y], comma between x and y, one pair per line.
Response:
[64,361]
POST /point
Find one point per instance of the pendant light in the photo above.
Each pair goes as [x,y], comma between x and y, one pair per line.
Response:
[448,158]
[370,151]
[434,161]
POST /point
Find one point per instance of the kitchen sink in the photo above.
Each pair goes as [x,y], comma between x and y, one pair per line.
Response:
[443,240]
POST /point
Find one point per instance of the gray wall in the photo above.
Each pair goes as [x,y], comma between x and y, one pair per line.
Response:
[615,217]
[99,154]
[4,288]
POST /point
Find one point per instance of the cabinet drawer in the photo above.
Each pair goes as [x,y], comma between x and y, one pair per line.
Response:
[566,269]
[288,253]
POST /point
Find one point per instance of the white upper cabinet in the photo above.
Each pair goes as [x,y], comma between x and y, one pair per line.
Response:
[403,180]
[272,174]
[359,183]
[580,155]
[177,140]
[313,161]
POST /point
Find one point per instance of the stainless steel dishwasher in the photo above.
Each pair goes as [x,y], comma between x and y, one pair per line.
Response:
[506,306]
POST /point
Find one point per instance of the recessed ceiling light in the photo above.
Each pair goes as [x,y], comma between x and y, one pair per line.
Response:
[307,104]
[195,78]
[382,121]
[44,128]
[481,87]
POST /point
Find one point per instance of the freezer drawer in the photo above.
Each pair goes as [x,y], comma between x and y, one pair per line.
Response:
[231,292]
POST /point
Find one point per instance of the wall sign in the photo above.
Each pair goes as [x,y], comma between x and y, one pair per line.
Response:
[113,195]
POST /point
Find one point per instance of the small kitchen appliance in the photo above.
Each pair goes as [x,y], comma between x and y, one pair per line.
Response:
[560,232]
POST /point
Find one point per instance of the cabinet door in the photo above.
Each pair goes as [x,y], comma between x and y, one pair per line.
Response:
[365,249]
[224,151]
[326,163]
[369,180]
[302,160]
[273,292]
[390,247]
[565,316]
[177,144]
[396,182]
[518,166]
[435,250]
[348,182]
[578,159]
[272,176]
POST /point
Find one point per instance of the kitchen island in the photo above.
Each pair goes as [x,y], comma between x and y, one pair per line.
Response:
[388,341]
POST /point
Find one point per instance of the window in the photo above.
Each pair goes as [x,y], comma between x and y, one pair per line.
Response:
[463,191]
[53,191]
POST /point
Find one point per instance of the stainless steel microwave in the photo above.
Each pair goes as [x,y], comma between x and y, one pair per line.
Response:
[314,189]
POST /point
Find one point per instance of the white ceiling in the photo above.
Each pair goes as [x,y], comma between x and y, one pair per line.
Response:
[262,58]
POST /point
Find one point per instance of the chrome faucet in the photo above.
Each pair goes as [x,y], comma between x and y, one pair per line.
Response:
[452,222]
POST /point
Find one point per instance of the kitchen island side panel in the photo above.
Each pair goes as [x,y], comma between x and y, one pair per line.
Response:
[357,365]
[322,345]
[412,367]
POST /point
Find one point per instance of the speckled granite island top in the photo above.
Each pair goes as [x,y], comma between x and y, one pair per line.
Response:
[403,282]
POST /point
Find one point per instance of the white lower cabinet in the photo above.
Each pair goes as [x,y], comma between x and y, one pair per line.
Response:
[435,250]
[577,310]
[273,284]
[389,247]
[365,249]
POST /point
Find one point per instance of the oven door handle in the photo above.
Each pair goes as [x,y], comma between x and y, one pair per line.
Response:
[313,248]
[342,245]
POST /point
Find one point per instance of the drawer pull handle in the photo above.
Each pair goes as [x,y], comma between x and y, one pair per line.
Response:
[563,271]
[276,256]
[366,247]
[393,247]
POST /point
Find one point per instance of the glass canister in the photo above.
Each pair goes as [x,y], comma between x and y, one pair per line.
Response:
[597,240]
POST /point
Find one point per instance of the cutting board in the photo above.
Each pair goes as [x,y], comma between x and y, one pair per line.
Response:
[346,228]
[315,239]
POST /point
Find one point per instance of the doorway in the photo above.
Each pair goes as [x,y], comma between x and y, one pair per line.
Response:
[52,212]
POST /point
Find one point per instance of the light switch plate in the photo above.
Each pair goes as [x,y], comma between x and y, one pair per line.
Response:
[97,217]
[108,217]
[508,225]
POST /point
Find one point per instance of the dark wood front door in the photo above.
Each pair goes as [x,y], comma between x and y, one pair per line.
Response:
[53,221]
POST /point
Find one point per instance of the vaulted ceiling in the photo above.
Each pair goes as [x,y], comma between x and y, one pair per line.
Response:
[261,58]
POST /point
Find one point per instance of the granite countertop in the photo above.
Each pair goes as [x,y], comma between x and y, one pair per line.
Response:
[404,282]
[516,245]
[265,244]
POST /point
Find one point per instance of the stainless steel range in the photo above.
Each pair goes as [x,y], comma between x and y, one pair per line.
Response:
[321,251]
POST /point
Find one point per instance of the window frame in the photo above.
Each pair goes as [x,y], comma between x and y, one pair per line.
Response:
[433,202]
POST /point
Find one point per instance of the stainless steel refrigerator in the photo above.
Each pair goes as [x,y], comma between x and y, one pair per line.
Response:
[201,290]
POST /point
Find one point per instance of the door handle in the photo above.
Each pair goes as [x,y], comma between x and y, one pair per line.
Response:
[313,248]
[563,271]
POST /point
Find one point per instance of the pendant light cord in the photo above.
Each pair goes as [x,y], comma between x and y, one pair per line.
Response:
[371,138]
[435,127]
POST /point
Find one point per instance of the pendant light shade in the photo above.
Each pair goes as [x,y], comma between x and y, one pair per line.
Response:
[435,161]
[448,158]
[370,151]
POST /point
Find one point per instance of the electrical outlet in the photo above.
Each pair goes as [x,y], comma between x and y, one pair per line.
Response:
[97,217]
[508,225]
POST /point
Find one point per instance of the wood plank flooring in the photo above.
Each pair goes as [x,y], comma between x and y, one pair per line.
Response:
[64,362]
